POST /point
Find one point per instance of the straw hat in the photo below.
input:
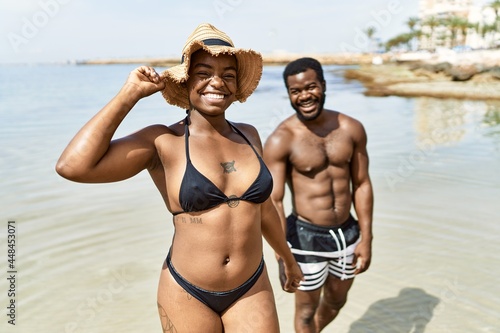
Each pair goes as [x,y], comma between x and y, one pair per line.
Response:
[215,42]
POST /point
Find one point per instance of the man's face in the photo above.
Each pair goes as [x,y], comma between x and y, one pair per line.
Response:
[307,94]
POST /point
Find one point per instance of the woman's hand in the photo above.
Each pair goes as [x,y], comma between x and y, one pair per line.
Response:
[146,80]
[290,275]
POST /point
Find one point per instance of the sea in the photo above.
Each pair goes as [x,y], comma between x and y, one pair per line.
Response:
[86,257]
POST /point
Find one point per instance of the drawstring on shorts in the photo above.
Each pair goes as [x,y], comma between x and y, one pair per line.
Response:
[342,261]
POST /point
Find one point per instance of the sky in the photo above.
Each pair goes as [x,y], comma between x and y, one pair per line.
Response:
[41,31]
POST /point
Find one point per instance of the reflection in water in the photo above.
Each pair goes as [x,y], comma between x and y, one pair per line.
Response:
[458,128]
[410,311]
[439,122]
[448,121]
[492,115]
[491,122]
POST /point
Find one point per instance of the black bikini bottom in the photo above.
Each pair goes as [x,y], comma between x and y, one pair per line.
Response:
[218,301]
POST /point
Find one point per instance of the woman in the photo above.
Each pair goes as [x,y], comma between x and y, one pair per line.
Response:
[212,178]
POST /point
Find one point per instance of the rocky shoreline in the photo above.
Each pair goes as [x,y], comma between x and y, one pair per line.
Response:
[462,77]
[268,60]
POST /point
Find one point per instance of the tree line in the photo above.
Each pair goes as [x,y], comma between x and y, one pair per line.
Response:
[449,31]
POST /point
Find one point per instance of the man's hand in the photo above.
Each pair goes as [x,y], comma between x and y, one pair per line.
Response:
[363,255]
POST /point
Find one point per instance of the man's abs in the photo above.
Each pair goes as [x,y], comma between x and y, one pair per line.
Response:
[327,211]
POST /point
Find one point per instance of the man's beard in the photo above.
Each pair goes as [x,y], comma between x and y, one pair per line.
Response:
[321,103]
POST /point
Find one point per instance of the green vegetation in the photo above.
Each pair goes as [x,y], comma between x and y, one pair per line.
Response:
[450,31]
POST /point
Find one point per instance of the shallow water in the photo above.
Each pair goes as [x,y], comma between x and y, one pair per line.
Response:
[88,256]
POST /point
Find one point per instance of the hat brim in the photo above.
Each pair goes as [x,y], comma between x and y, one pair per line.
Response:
[249,67]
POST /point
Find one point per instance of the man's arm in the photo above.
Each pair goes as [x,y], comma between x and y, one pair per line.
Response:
[276,152]
[362,197]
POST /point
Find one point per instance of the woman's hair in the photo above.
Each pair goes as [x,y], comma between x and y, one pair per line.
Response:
[301,65]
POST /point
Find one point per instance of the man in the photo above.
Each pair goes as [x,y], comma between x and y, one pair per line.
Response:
[321,154]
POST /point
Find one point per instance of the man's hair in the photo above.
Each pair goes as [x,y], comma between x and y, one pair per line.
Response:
[301,65]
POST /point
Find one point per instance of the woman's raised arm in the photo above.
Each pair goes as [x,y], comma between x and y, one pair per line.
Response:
[92,157]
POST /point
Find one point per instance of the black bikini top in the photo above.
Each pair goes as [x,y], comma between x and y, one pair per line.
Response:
[198,193]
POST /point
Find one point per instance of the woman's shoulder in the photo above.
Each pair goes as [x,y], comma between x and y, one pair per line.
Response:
[175,129]
[250,132]
[246,129]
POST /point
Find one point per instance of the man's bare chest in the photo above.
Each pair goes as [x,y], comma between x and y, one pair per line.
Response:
[312,154]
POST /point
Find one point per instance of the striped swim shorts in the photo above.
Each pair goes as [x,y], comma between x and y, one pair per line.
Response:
[320,250]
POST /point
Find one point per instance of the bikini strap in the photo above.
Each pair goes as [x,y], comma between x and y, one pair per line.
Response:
[186,139]
[244,137]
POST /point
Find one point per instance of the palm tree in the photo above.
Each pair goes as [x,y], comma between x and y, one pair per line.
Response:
[404,38]
[412,23]
[496,7]
[431,22]
[370,32]
[488,32]
[463,25]
[453,23]
[475,27]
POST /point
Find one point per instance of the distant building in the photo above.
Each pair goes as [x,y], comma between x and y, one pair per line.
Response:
[468,24]
[443,8]
[486,34]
